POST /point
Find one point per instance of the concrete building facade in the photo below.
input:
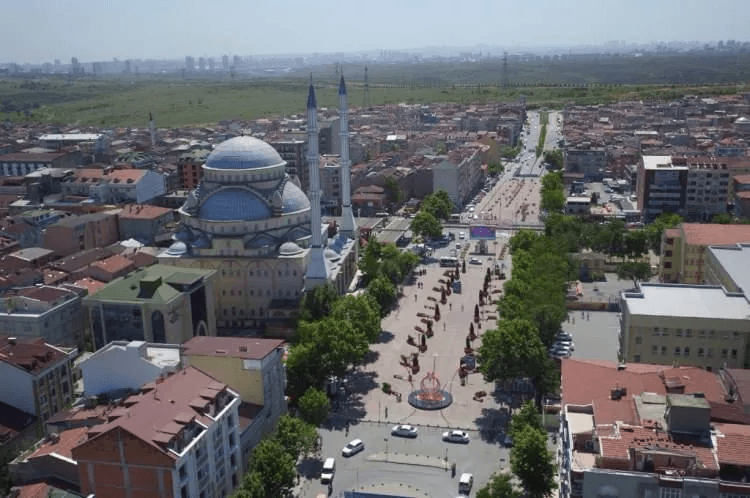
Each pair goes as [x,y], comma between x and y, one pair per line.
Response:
[704,326]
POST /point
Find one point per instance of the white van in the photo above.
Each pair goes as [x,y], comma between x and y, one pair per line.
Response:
[465,482]
[329,468]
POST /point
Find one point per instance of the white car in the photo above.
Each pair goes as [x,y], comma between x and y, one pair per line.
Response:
[475,261]
[461,235]
[404,431]
[456,437]
[465,482]
[329,467]
[353,448]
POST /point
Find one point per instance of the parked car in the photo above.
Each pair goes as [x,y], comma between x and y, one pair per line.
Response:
[564,335]
[404,430]
[353,448]
[329,467]
[456,437]
[475,261]
[461,235]
[508,441]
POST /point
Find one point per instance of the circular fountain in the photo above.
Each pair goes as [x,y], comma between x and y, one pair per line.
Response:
[430,395]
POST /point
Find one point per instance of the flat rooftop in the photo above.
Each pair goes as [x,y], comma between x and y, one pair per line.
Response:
[661,163]
[688,301]
[735,260]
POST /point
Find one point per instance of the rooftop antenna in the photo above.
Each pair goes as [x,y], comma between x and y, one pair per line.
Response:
[366,102]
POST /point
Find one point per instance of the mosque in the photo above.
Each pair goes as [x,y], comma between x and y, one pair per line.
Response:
[251,222]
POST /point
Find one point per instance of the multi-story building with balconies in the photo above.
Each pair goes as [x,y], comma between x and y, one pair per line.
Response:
[178,437]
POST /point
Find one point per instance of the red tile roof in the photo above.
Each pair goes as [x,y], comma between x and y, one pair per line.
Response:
[235,347]
[586,382]
[143,212]
[705,234]
[151,415]
[114,264]
[733,449]
[617,446]
[63,444]
[32,356]
[90,284]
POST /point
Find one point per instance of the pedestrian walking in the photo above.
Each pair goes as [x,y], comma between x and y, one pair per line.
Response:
[450,306]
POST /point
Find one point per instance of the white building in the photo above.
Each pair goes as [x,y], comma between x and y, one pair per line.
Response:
[122,365]
[458,173]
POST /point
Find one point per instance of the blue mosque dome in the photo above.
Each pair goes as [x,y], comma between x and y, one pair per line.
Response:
[234,204]
[243,153]
[293,199]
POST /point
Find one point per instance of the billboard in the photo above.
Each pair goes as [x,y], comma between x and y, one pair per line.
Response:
[481,233]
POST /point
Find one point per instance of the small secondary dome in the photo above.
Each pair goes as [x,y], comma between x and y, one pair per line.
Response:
[243,153]
[289,249]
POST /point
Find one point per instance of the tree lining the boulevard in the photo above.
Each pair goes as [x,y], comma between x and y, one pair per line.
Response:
[272,465]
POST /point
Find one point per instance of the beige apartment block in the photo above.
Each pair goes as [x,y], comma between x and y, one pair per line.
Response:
[683,249]
[704,326]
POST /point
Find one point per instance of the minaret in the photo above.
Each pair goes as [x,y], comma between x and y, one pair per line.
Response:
[152,129]
[317,271]
[348,224]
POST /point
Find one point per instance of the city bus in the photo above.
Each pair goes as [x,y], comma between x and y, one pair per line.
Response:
[448,261]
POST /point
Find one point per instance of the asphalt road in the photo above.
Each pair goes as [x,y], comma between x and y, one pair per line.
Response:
[424,475]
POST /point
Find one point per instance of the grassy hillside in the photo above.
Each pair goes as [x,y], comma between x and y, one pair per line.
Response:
[119,102]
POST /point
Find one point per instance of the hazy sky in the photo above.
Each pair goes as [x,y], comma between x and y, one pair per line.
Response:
[42,30]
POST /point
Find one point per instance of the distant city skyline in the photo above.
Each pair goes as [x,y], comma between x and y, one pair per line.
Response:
[37,31]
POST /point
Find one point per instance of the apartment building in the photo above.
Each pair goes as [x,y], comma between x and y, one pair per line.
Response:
[683,249]
[126,366]
[458,173]
[52,313]
[37,377]
[145,223]
[704,326]
[158,303]
[113,186]
[294,151]
[189,167]
[251,367]
[178,437]
[641,430]
[330,185]
[661,186]
[23,163]
[587,159]
[728,266]
[77,233]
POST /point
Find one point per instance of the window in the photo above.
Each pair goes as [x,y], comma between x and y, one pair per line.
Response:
[734,354]
[700,352]
[735,335]
[183,473]
[710,353]
[686,352]
[664,351]
[637,358]
[670,493]
[678,333]
[688,332]
[724,354]
[668,254]
[184,493]
[654,349]
[701,333]
[638,339]
[656,330]
[677,351]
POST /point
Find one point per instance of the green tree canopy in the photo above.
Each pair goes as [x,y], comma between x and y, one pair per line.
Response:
[314,406]
[553,193]
[512,350]
[274,466]
[383,291]
[297,437]
[528,415]
[722,218]
[426,225]
[499,486]
[318,303]
[393,191]
[532,462]
[362,311]
[438,204]
[634,270]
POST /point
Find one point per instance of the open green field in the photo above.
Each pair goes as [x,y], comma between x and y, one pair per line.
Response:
[174,103]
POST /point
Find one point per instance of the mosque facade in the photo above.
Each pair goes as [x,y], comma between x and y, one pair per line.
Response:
[252,224]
